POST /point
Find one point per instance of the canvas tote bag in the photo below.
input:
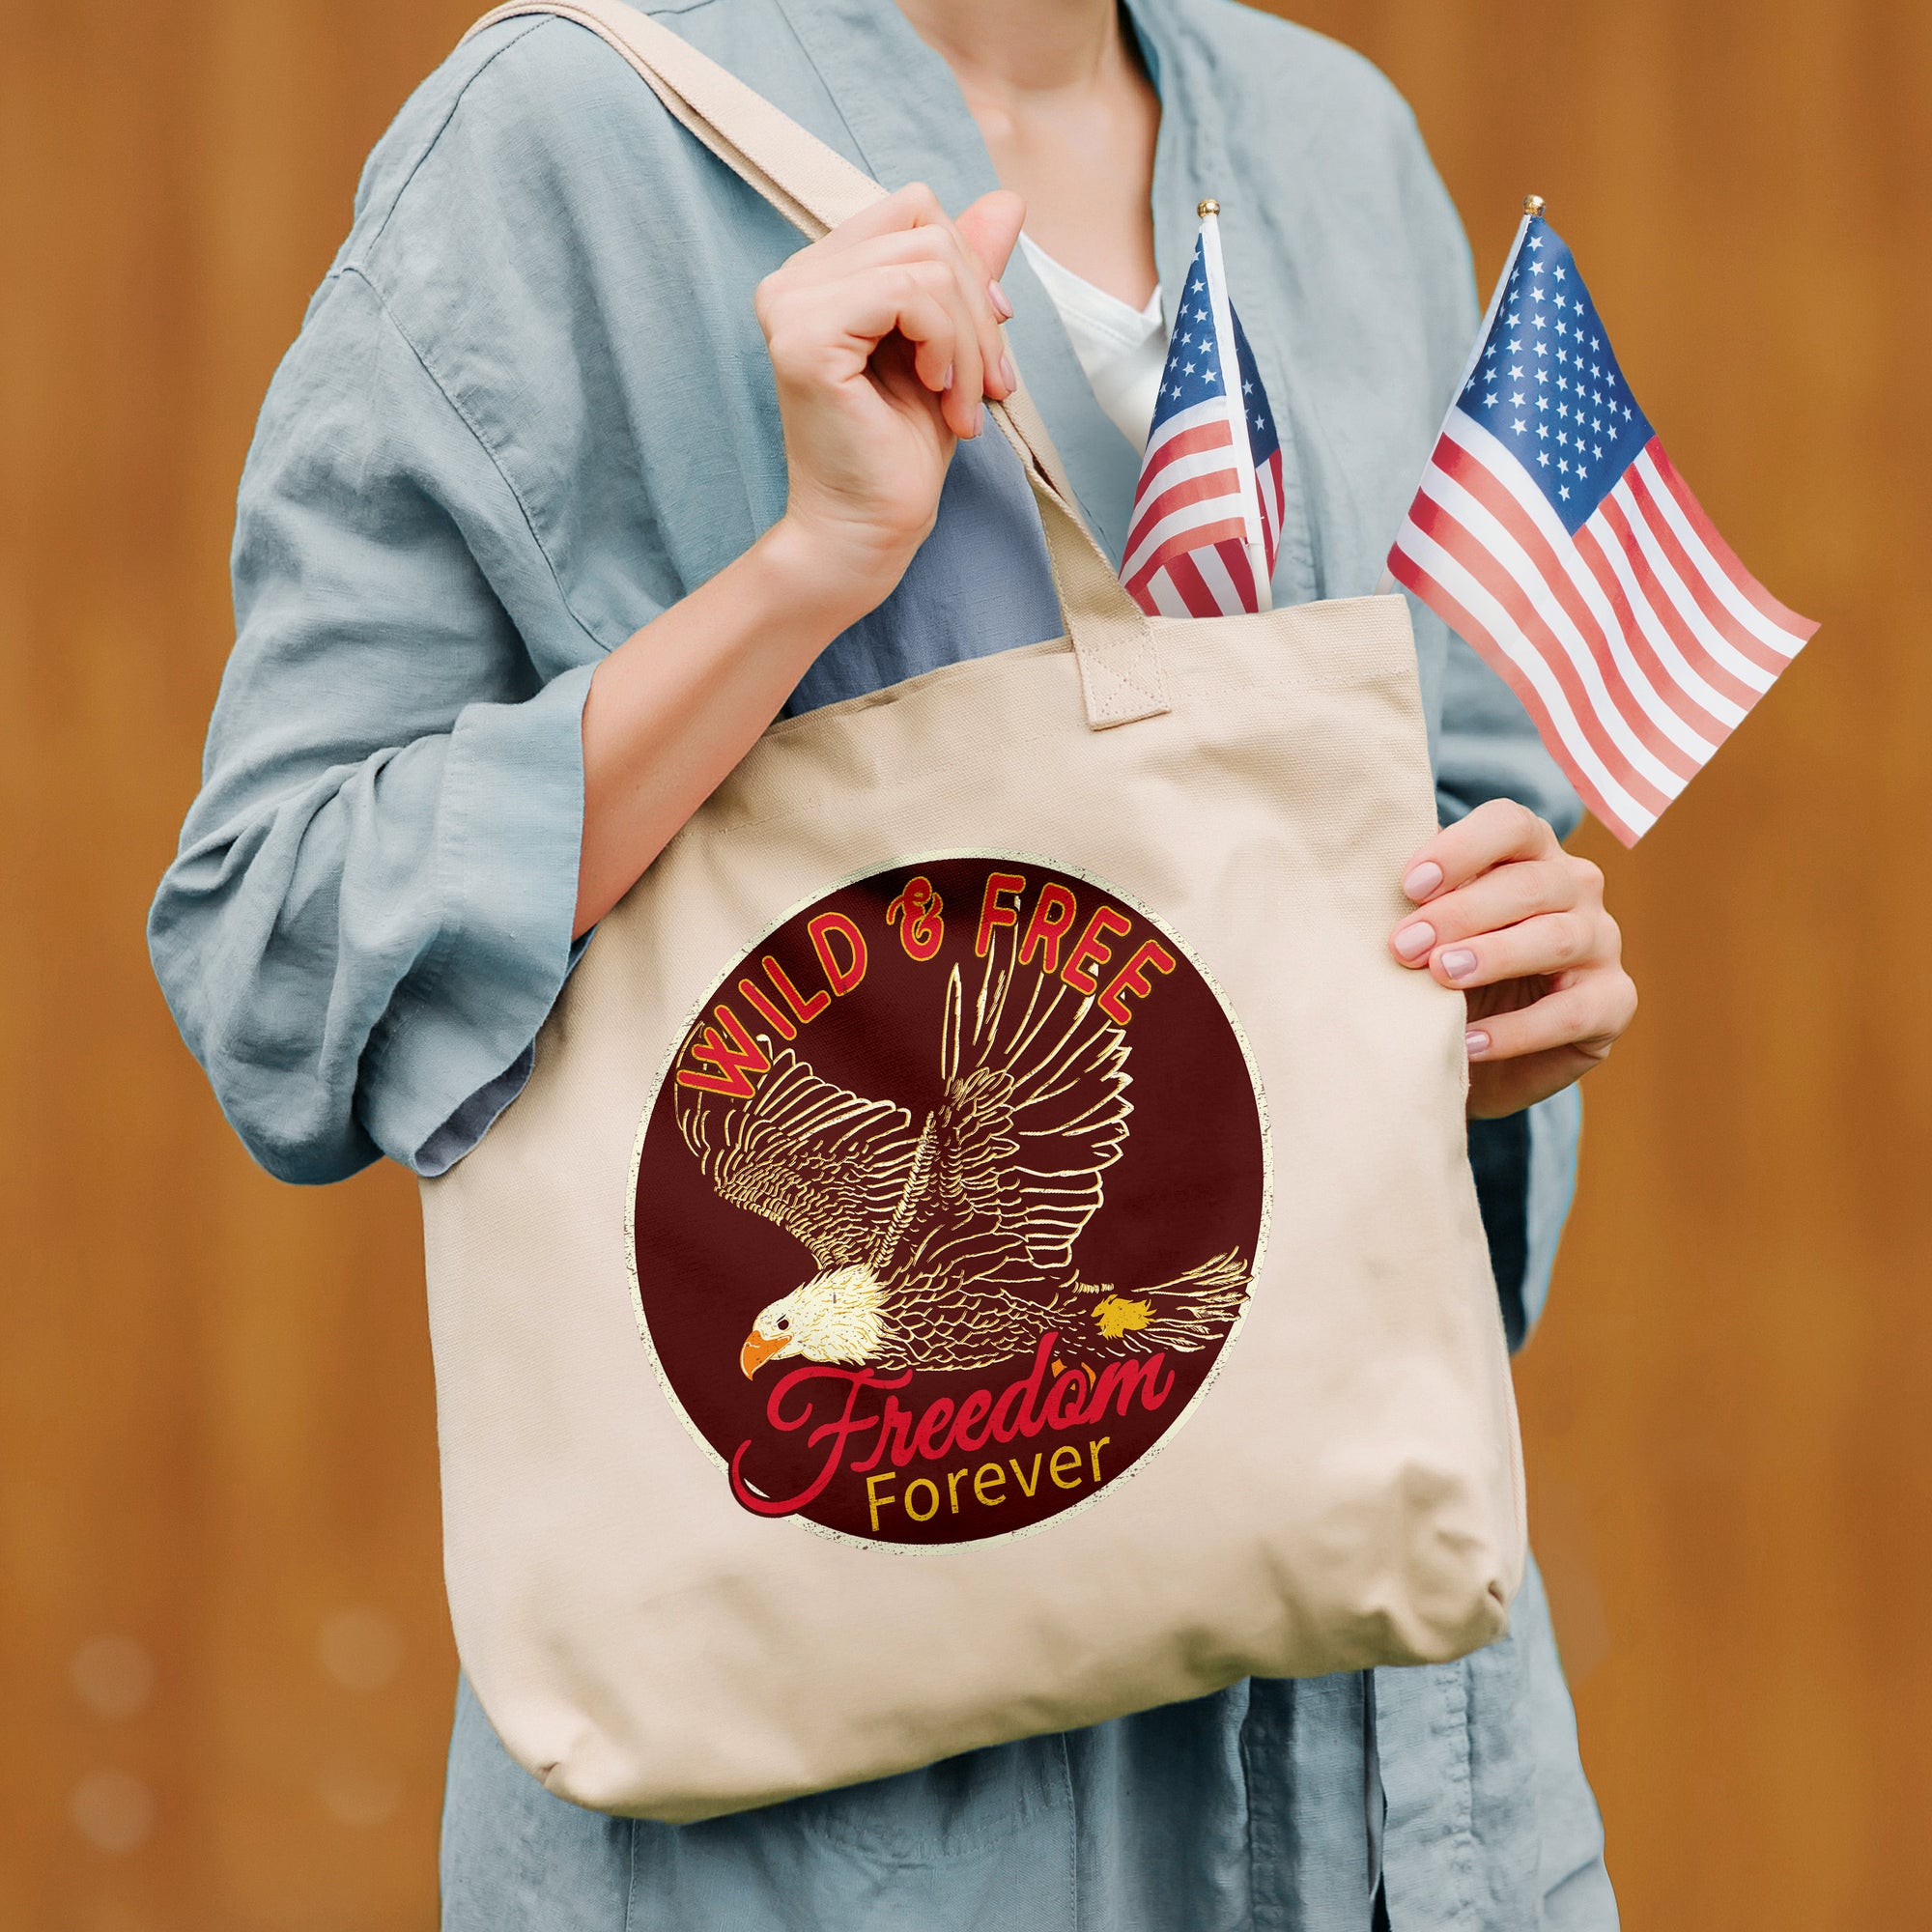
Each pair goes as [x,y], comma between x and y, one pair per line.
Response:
[988,1244]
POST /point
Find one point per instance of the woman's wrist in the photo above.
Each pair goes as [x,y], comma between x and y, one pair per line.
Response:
[815,581]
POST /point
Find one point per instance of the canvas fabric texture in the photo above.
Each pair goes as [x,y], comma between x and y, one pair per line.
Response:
[988,1242]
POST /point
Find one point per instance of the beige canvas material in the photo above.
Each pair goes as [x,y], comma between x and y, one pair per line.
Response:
[1347,1492]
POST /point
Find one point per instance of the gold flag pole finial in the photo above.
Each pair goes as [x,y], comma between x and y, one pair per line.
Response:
[1208,206]
[1532,205]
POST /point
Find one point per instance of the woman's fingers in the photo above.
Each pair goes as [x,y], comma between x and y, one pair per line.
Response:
[1496,833]
[1586,1017]
[991,229]
[910,228]
[1543,947]
[827,333]
[1504,897]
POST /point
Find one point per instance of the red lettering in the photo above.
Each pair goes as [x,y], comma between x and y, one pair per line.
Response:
[1132,978]
[735,1063]
[894,1433]
[844,979]
[839,1432]
[782,1026]
[929,1438]
[1119,1378]
[999,885]
[1052,914]
[1093,945]
[807,1010]
[1020,1419]
[1066,1400]
[973,1412]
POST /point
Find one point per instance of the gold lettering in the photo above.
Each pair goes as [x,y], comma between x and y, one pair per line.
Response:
[1071,1481]
[1097,1447]
[921,1514]
[989,1476]
[1028,1487]
[873,1499]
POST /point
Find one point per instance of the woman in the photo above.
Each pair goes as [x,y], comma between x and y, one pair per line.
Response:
[579,473]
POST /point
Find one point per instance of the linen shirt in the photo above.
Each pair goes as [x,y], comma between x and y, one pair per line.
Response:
[530,409]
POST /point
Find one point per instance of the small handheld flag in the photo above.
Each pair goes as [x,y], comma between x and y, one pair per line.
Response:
[1206,516]
[1554,534]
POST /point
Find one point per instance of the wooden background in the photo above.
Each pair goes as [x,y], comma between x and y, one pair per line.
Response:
[225,1670]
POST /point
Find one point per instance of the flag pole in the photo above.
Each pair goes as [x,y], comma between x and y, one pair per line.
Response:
[1533,206]
[1210,212]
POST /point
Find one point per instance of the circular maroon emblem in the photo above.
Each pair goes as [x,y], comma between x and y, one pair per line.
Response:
[948,1202]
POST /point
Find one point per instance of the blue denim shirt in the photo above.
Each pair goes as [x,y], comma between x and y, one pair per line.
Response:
[529,409]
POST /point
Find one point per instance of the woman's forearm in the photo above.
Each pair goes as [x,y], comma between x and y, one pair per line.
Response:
[885,338]
[675,707]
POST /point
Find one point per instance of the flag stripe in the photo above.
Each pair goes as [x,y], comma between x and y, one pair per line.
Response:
[1483,555]
[1646,701]
[1274,506]
[1498,633]
[1688,612]
[1158,597]
[1184,436]
[1703,708]
[1188,536]
[1406,570]
[1796,631]
[1623,578]
[1183,500]
[1195,595]
[1622,544]
[1229,571]
[1741,634]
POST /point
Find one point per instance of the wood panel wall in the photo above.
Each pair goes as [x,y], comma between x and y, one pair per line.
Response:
[225,1669]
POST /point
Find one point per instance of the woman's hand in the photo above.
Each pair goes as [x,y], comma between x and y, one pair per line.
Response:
[1519,926]
[884,339]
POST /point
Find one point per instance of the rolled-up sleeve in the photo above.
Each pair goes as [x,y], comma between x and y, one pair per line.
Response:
[370,914]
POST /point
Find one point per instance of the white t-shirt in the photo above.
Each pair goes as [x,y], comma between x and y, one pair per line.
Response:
[1121,349]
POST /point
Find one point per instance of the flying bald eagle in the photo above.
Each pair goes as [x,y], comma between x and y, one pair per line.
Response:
[949,1245]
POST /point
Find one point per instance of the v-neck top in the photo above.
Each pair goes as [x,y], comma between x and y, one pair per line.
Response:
[1120,348]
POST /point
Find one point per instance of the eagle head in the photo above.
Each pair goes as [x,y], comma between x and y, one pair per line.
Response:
[832,1317]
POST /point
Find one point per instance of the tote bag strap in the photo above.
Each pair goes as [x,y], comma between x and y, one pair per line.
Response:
[815,189]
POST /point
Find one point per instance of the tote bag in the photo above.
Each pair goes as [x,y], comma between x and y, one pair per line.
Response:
[988,1242]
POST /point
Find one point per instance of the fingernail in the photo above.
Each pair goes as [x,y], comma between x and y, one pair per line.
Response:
[1009,374]
[996,295]
[1414,941]
[1477,1042]
[946,381]
[1460,963]
[1423,881]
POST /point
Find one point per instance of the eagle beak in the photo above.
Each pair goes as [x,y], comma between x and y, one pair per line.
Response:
[758,1350]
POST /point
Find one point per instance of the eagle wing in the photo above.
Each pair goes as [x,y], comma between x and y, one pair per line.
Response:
[824,1164]
[1009,1170]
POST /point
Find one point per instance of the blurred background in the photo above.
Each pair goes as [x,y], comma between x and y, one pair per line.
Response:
[225,1666]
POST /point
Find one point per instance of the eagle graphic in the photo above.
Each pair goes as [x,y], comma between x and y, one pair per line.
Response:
[949,1245]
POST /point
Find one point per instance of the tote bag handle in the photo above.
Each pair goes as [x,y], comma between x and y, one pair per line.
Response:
[815,189]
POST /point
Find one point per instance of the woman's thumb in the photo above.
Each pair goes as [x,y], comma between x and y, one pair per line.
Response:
[991,226]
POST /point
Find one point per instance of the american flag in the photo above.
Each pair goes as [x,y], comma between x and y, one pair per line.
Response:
[1207,517]
[1553,533]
